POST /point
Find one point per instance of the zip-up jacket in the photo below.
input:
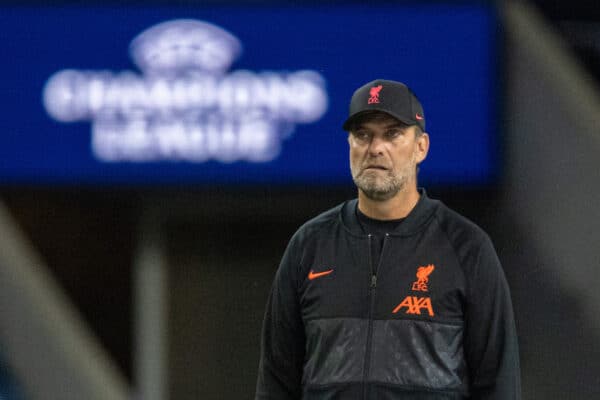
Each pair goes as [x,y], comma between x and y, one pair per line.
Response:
[433,320]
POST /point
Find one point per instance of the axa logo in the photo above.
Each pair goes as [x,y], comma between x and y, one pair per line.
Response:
[423,278]
[416,304]
[374,93]
[185,105]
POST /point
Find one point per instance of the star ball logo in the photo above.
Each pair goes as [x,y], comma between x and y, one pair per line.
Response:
[186,106]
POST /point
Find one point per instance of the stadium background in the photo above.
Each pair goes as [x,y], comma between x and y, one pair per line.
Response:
[155,290]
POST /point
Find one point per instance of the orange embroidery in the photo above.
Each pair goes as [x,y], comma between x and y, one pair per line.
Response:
[374,92]
[423,278]
[313,275]
[415,304]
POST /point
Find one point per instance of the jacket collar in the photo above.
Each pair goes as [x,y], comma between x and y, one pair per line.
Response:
[415,220]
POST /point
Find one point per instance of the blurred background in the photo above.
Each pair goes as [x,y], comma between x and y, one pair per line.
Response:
[156,157]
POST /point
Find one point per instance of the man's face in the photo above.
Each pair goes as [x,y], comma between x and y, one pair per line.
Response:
[384,154]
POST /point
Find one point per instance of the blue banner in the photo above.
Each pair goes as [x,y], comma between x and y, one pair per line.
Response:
[236,95]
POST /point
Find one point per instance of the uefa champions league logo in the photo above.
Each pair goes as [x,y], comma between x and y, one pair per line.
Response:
[186,106]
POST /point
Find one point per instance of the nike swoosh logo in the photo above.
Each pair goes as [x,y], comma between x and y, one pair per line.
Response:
[314,275]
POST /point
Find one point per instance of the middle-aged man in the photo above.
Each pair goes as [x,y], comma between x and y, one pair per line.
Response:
[391,295]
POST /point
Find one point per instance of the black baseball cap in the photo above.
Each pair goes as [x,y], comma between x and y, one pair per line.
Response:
[391,97]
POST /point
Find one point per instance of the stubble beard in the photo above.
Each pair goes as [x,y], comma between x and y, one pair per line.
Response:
[381,188]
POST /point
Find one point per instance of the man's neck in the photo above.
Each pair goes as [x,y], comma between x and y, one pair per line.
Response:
[396,207]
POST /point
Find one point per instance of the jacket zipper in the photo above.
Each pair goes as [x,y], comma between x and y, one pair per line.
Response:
[372,288]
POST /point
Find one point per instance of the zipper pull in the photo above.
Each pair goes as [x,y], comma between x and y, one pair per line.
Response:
[373,281]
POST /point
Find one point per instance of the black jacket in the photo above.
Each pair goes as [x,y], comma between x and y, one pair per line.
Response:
[442,331]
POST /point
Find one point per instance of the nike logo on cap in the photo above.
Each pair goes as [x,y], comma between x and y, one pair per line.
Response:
[314,275]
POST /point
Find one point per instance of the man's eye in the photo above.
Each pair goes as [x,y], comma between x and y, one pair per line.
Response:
[392,133]
[361,135]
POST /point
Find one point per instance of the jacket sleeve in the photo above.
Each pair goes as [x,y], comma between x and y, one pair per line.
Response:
[282,339]
[491,341]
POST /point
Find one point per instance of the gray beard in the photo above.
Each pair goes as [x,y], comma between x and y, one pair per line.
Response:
[379,191]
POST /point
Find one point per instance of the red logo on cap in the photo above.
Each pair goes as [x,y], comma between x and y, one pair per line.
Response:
[374,92]
[419,117]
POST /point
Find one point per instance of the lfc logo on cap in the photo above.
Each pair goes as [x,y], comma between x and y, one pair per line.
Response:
[374,92]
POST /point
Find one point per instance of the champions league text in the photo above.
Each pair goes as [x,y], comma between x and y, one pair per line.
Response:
[182,108]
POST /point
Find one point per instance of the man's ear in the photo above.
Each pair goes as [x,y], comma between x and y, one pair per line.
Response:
[422,147]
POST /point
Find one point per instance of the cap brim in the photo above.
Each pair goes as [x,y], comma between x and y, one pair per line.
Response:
[348,123]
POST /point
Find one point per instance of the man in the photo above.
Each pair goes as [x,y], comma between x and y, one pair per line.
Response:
[391,295]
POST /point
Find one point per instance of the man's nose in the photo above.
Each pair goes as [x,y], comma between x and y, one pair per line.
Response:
[376,146]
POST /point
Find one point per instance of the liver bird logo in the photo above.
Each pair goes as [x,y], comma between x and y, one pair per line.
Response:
[374,92]
[423,278]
